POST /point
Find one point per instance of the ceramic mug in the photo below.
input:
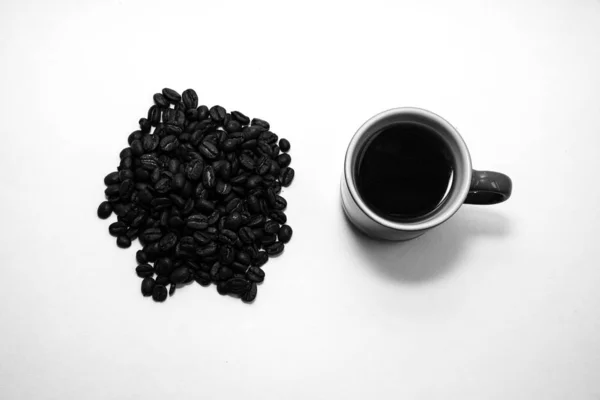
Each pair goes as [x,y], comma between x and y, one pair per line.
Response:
[468,186]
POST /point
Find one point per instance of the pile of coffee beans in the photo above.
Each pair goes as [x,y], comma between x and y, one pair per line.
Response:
[200,188]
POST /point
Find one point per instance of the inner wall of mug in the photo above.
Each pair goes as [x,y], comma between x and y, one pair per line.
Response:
[459,158]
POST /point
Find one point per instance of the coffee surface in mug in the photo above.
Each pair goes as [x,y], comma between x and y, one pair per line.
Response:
[404,172]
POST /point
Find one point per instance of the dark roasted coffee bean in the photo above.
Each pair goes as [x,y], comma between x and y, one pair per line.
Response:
[205,206]
[261,259]
[168,241]
[280,202]
[121,209]
[161,100]
[237,286]
[284,160]
[202,277]
[250,295]
[190,98]
[105,210]
[253,204]
[112,178]
[287,176]
[163,266]
[203,113]
[249,144]
[163,280]
[194,169]
[180,275]
[258,234]
[217,113]
[149,162]
[209,179]
[263,165]
[208,150]
[268,239]
[223,188]
[229,145]
[272,227]
[172,289]
[202,238]
[225,273]
[123,242]
[227,236]
[117,228]
[144,270]
[246,235]
[233,204]
[126,163]
[196,222]
[242,258]
[226,254]
[125,174]
[159,293]
[112,191]
[169,143]
[247,162]
[171,95]
[147,286]
[257,221]
[255,274]
[234,221]
[284,145]
[285,233]
[207,250]
[260,122]
[213,217]
[253,181]
[141,257]
[238,268]
[233,126]
[275,249]
[241,118]
[151,235]
[222,288]
[154,114]
[137,149]
[278,216]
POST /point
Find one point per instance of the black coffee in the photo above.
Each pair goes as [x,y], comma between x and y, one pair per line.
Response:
[404,172]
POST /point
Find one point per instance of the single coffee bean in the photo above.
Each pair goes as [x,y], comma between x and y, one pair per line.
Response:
[202,277]
[151,235]
[154,114]
[217,113]
[284,160]
[171,95]
[284,145]
[287,176]
[148,286]
[285,233]
[223,188]
[207,250]
[159,293]
[105,210]
[196,222]
[260,122]
[241,118]
[243,258]
[180,275]
[275,249]
[208,150]
[272,227]
[194,169]
[261,259]
[226,254]
[172,288]
[163,266]
[278,216]
[163,280]
[255,274]
[168,241]
[123,242]
[209,179]
[169,143]
[227,236]
[246,235]
[141,257]
[237,286]
[225,273]
[117,228]
[161,100]
[202,238]
[250,295]
[190,98]
[144,270]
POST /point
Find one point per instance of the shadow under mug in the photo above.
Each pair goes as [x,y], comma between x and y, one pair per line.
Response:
[468,186]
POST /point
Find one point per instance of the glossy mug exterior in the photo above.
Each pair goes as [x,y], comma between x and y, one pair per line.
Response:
[468,186]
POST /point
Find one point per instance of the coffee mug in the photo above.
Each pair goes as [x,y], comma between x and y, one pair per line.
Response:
[433,164]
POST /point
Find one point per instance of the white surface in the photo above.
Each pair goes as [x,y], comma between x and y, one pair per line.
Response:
[499,303]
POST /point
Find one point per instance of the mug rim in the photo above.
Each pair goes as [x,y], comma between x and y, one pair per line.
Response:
[438,218]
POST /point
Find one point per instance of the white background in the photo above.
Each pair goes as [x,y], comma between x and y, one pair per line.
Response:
[501,302]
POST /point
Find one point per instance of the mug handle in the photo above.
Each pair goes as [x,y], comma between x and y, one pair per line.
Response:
[488,187]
